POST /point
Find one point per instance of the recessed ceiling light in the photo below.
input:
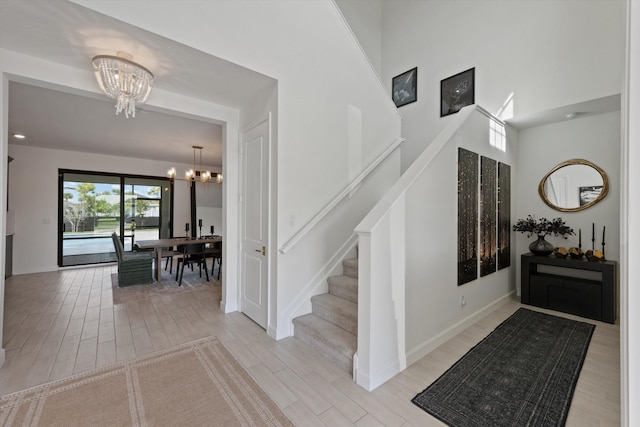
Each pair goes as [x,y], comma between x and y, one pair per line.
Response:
[18,136]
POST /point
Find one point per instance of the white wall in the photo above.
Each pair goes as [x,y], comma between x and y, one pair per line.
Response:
[34,198]
[594,138]
[432,295]
[208,206]
[545,54]
[19,67]
[210,217]
[630,250]
[264,106]
[365,19]
[313,94]
[322,76]
[409,300]
[4,132]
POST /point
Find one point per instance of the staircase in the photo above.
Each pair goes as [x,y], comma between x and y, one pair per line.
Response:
[332,326]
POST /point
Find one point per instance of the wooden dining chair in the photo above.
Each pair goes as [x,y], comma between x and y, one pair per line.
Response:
[193,253]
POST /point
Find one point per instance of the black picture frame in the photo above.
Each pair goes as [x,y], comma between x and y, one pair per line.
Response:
[468,202]
[457,91]
[504,215]
[488,216]
[404,87]
[589,194]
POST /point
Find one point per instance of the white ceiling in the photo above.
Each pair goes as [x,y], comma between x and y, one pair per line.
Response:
[66,33]
[593,107]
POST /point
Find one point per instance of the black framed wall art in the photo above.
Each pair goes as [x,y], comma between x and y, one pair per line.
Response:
[488,215]
[457,91]
[405,88]
[467,216]
[504,215]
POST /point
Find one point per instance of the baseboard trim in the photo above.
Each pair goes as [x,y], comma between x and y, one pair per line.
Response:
[228,308]
[422,350]
[272,332]
[2,357]
[380,377]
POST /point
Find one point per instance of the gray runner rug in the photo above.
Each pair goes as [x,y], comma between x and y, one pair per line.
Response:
[522,374]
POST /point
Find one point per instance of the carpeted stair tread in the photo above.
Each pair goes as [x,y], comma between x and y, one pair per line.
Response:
[338,311]
[330,340]
[344,287]
[332,326]
[350,267]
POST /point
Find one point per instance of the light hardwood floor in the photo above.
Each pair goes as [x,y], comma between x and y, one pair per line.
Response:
[62,323]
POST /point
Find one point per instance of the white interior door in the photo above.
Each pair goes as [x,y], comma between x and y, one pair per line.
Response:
[254,223]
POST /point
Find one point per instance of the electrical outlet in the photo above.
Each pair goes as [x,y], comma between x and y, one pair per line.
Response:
[463,301]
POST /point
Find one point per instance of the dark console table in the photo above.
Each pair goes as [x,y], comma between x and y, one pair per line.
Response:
[579,287]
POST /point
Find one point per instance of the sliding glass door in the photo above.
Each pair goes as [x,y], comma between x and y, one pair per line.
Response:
[147,209]
[92,206]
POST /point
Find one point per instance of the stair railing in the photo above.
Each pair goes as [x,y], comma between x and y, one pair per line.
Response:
[353,185]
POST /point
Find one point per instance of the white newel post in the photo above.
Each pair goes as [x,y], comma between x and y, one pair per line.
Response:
[381,299]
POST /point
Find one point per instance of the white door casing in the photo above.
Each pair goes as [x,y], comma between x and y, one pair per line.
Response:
[254,222]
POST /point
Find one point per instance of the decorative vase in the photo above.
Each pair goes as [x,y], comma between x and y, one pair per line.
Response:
[541,247]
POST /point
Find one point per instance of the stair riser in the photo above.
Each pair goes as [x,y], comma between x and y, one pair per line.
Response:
[347,321]
[345,287]
[350,268]
[343,292]
[332,325]
[342,361]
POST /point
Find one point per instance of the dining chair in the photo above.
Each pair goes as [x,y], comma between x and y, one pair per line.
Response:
[193,253]
[133,268]
[168,253]
[215,253]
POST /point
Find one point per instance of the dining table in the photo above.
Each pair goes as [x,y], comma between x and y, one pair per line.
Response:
[159,244]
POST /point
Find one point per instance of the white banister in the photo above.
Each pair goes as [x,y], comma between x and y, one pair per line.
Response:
[334,202]
[397,191]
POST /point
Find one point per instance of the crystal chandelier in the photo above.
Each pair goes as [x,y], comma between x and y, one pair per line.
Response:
[123,80]
[197,174]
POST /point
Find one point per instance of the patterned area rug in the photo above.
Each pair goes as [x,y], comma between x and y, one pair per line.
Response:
[193,384]
[191,281]
[522,374]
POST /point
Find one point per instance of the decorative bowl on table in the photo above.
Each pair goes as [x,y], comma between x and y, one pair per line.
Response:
[560,252]
[575,253]
[594,256]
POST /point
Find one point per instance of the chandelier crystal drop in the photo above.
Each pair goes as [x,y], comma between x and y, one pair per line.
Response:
[123,80]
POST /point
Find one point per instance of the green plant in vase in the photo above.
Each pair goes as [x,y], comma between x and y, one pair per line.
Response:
[541,228]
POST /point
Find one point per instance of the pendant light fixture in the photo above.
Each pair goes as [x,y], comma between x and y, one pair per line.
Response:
[197,174]
[122,79]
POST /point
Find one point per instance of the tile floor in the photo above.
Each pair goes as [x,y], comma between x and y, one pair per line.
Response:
[65,322]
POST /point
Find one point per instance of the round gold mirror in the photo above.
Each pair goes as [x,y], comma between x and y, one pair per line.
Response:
[573,186]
